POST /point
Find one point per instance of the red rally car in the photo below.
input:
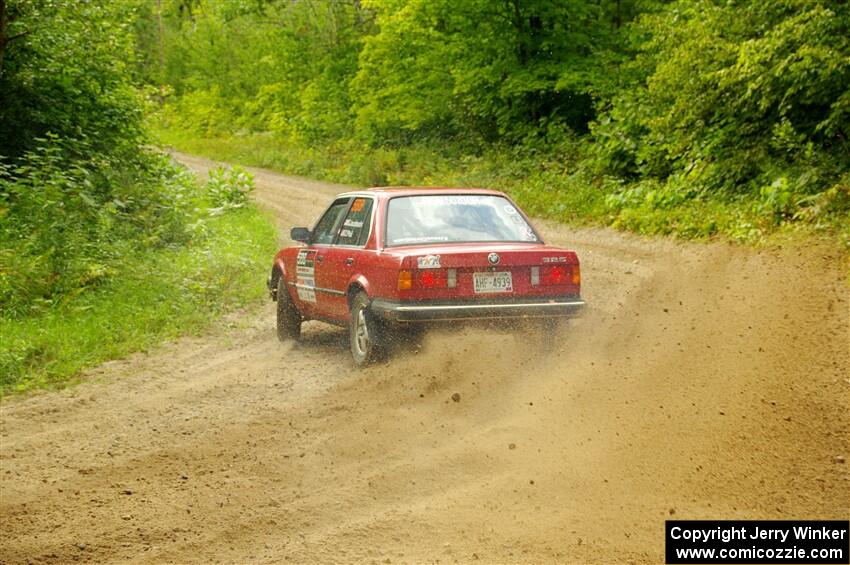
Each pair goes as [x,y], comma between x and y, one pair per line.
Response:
[388,257]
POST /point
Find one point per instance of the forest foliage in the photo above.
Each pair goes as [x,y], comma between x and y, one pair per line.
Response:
[658,106]
[77,190]
[105,245]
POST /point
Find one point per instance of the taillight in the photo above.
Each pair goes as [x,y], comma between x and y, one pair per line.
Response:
[431,278]
[555,275]
[427,278]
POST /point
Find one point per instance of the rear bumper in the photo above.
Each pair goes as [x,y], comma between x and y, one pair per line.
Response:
[444,311]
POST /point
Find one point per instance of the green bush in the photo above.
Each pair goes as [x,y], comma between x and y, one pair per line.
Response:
[229,187]
[153,295]
[68,220]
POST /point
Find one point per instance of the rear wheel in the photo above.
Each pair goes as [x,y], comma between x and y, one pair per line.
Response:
[288,318]
[367,335]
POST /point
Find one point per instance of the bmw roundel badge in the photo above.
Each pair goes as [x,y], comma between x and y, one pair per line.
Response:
[493,258]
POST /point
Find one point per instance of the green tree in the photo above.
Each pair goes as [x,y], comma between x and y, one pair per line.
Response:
[77,190]
[500,68]
[268,66]
[65,73]
[733,96]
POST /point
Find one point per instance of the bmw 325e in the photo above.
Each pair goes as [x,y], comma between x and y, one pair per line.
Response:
[383,258]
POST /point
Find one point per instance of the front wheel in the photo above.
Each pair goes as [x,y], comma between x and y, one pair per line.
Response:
[367,334]
[288,318]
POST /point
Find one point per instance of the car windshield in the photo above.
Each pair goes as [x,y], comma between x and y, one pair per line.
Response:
[413,220]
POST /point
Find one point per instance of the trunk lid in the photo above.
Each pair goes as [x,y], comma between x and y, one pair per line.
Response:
[472,255]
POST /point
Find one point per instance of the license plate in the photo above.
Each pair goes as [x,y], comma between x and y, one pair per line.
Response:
[492,282]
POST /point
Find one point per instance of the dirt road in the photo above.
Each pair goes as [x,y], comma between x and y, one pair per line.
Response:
[706,381]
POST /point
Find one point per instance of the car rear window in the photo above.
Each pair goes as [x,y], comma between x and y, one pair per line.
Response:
[413,220]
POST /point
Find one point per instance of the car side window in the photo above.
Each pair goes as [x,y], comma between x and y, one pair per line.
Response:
[355,227]
[325,230]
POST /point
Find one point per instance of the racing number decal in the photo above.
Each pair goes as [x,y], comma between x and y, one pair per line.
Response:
[306,278]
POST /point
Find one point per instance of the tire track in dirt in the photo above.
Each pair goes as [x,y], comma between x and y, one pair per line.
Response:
[705,381]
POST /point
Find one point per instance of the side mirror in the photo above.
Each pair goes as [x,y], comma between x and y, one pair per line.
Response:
[300,234]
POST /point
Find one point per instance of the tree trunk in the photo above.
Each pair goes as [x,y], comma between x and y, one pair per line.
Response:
[2,32]
[5,39]
[161,49]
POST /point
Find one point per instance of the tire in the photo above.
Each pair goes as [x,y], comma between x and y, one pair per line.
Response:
[367,335]
[288,318]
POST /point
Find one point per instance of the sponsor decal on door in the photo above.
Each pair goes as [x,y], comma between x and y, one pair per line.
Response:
[305,283]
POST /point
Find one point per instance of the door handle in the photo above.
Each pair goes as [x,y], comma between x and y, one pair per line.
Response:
[349,261]
[319,258]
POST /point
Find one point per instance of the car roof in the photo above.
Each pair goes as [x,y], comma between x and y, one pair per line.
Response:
[390,191]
